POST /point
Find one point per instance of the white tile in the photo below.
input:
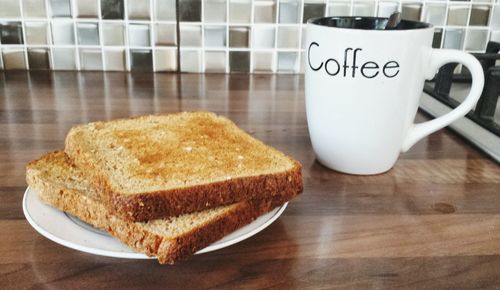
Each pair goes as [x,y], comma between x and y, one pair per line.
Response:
[10,8]
[337,8]
[214,11]
[303,41]
[288,37]
[13,59]
[385,9]
[302,63]
[165,10]
[287,62]
[495,19]
[165,60]
[36,33]
[240,11]
[476,39]
[289,11]
[60,8]
[363,9]
[190,35]
[138,35]
[90,59]
[190,61]
[34,8]
[62,33]
[263,61]
[166,34]
[215,61]
[263,37]
[453,38]
[115,60]
[138,9]
[88,34]
[435,13]
[215,36]
[113,34]
[495,36]
[64,59]
[86,8]
[264,11]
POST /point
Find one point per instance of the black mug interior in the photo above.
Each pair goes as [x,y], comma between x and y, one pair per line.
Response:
[366,23]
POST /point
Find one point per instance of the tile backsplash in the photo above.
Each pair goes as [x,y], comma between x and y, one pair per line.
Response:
[257,36]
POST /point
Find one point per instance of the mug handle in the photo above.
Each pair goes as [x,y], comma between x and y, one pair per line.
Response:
[438,58]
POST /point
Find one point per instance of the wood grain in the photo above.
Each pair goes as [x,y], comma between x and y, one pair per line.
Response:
[431,222]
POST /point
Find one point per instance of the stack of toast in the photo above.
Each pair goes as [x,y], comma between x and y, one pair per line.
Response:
[165,185]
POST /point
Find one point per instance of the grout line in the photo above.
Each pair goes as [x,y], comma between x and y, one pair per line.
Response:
[126,37]
[100,32]
[466,33]
[50,40]
[202,27]
[178,35]
[298,58]
[227,68]
[251,34]
[423,11]
[152,29]
[443,34]
[74,20]
[302,26]
[490,23]
[276,34]
[25,46]
[75,36]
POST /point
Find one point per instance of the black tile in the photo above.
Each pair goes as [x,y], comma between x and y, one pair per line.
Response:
[239,61]
[190,10]
[141,60]
[239,36]
[38,59]
[436,41]
[479,16]
[11,33]
[313,10]
[112,9]
[411,11]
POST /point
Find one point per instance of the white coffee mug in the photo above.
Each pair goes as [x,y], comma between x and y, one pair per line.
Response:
[363,85]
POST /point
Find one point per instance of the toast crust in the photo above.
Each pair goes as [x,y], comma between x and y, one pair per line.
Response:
[137,235]
[151,205]
[155,204]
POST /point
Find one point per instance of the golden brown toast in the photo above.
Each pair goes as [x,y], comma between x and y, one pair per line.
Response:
[158,166]
[62,185]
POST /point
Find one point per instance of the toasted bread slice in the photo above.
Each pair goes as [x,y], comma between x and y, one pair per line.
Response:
[62,185]
[158,166]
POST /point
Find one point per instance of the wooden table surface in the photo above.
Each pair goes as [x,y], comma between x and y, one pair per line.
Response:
[431,222]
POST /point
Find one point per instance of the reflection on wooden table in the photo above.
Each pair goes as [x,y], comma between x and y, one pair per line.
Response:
[432,221]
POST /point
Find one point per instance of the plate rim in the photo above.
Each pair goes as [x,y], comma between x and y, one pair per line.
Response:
[137,255]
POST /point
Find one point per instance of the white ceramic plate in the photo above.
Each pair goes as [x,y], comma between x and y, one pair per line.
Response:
[71,232]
